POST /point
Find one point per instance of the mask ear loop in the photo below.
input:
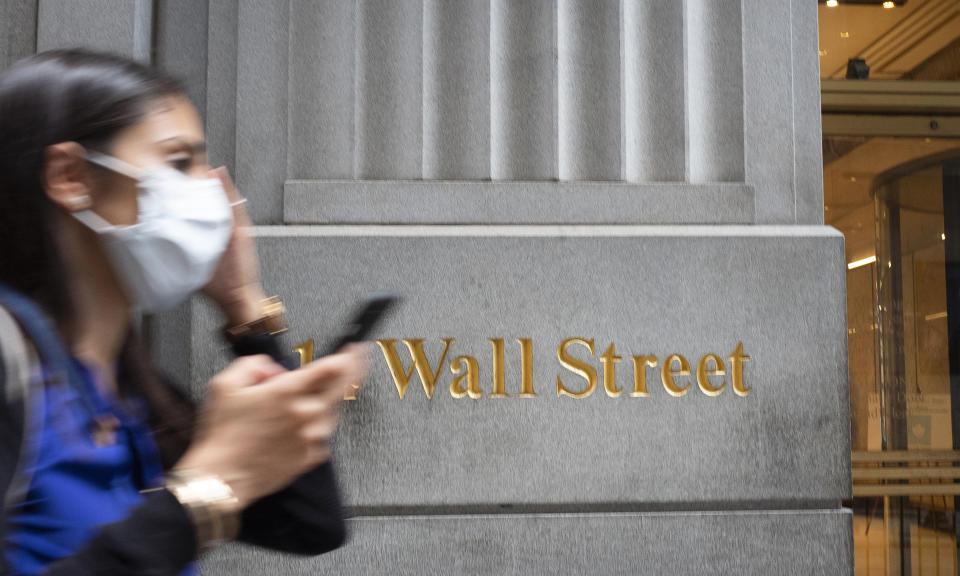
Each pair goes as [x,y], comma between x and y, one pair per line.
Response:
[114,164]
[90,218]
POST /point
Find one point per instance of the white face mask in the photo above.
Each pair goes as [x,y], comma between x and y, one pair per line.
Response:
[182,231]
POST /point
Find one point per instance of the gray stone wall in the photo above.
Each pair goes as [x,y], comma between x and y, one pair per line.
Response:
[695,92]
[124,26]
[18,30]
[641,173]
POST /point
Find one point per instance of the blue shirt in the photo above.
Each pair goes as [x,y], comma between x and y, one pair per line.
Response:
[93,457]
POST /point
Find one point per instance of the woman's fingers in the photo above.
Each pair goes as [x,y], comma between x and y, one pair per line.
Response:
[228,186]
[238,202]
[235,285]
[328,377]
[263,426]
[360,351]
[248,371]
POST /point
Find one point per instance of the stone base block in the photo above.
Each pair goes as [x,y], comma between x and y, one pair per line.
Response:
[578,368]
[801,543]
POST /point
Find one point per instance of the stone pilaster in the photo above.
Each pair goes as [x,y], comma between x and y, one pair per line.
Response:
[18,30]
[122,27]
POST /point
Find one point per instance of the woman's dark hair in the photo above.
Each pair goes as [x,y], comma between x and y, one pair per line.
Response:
[60,96]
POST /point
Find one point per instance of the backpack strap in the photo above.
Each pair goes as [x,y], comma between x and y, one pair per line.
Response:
[32,356]
[14,355]
[20,369]
[39,331]
[47,363]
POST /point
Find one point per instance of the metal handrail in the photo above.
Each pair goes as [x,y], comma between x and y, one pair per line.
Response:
[906,473]
[906,456]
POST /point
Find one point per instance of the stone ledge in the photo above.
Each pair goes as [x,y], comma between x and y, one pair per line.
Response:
[544,231]
[479,202]
[789,543]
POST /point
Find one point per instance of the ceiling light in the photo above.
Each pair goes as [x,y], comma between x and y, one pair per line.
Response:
[877,3]
[861,262]
[844,34]
[943,236]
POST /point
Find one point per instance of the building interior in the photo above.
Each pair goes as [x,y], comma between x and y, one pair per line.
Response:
[890,81]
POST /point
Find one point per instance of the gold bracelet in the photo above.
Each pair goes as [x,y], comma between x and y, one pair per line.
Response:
[210,503]
[272,320]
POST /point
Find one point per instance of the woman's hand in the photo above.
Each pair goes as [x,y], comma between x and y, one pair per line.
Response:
[262,426]
[235,286]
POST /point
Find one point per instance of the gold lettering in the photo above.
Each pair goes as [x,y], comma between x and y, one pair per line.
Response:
[736,368]
[305,352]
[401,377]
[640,364]
[667,374]
[610,360]
[472,376]
[526,368]
[578,367]
[703,374]
[498,378]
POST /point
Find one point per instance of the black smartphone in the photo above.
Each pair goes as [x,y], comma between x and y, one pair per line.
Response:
[363,321]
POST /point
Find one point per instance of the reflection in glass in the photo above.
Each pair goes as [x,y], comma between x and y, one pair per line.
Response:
[897,202]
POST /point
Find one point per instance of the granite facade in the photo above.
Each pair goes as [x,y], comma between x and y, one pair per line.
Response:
[18,30]
[452,153]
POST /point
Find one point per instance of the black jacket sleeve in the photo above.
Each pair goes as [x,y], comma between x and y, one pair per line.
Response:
[307,516]
[157,539]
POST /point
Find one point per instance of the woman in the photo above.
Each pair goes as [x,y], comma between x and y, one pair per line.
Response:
[108,207]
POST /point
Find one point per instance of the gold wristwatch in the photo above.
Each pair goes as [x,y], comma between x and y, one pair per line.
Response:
[210,503]
[272,320]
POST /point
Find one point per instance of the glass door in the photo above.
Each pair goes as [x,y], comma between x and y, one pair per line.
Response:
[902,230]
[915,402]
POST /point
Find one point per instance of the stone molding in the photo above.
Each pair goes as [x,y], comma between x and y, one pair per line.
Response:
[465,202]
